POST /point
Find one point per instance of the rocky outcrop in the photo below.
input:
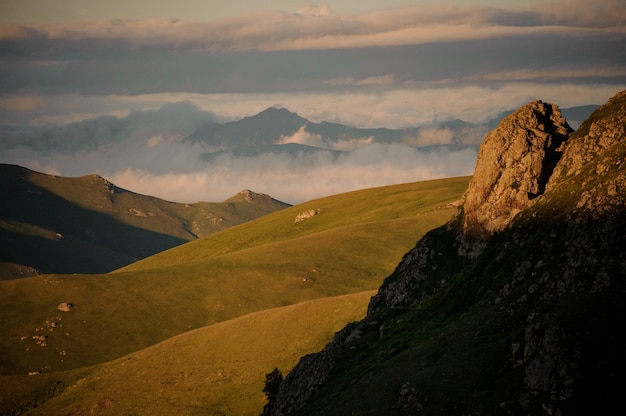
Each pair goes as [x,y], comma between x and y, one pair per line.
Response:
[65,306]
[549,271]
[305,215]
[308,375]
[594,136]
[514,165]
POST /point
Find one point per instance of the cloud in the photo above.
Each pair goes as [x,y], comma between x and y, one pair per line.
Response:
[20,103]
[304,137]
[392,108]
[295,181]
[430,136]
[319,28]
[270,52]
[606,13]
[351,144]
[317,11]
[377,80]
[590,70]
[166,167]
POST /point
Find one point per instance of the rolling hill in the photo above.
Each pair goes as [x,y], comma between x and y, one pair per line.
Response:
[51,224]
[339,245]
[213,370]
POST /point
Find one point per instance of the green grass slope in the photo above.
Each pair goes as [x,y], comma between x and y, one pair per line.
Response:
[266,263]
[216,370]
[359,209]
[51,224]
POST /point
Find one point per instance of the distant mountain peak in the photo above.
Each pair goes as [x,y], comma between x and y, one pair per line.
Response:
[250,196]
[278,113]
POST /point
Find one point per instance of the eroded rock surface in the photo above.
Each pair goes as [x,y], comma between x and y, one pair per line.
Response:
[514,165]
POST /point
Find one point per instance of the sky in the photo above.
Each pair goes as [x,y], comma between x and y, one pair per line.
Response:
[363,63]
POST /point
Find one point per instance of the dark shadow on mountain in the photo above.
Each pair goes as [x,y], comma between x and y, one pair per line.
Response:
[554,151]
[66,255]
[61,237]
[532,322]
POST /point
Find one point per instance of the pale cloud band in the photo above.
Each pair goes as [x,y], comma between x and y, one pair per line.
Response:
[393,108]
[273,31]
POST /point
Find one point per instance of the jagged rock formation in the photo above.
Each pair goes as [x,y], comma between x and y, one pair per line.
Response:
[595,135]
[514,165]
[532,323]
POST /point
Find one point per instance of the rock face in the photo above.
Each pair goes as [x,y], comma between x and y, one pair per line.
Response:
[531,322]
[595,135]
[514,165]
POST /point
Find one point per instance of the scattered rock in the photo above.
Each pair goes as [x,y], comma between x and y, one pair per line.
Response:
[65,306]
[304,215]
[137,212]
[41,340]
[408,399]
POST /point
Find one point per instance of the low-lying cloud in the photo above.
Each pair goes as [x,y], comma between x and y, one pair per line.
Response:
[172,170]
[302,136]
[294,181]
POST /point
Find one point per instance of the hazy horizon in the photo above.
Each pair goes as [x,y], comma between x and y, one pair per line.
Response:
[363,64]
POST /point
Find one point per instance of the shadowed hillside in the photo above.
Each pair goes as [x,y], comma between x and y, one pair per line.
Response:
[50,224]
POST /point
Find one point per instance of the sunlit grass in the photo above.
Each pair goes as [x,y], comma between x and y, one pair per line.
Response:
[349,247]
[219,369]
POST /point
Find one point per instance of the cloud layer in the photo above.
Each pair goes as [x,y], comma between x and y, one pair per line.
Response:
[294,181]
[382,68]
[392,67]
[173,171]
[146,152]
[320,28]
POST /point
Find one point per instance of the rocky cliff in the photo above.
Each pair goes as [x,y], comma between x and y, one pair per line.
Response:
[517,306]
[514,165]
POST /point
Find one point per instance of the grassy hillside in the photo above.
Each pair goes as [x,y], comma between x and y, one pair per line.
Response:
[350,246]
[51,224]
[266,263]
[216,370]
[358,209]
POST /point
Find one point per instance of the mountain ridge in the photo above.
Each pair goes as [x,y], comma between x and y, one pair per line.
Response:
[528,322]
[87,224]
[190,124]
